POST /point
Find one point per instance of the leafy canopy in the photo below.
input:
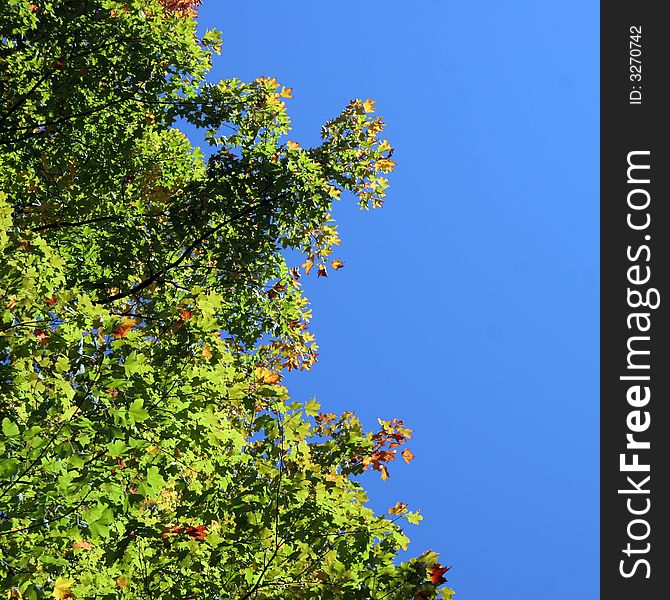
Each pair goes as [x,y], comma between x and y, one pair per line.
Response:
[147,311]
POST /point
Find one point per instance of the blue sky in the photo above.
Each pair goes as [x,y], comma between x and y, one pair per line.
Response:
[469,304]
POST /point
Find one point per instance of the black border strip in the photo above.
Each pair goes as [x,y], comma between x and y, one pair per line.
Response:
[635,259]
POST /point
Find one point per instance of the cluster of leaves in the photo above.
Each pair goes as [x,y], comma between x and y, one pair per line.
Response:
[146,313]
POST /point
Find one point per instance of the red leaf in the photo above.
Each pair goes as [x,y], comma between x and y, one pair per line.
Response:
[436,573]
[197,532]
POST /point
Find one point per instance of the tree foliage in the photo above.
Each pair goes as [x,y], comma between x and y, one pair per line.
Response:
[147,311]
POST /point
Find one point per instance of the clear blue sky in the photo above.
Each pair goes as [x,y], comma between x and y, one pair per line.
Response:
[469,304]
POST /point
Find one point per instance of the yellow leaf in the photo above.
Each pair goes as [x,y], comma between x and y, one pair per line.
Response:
[385,473]
[385,165]
[407,455]
[293,145]
[337,264]
[369,106]
[267,377]
[207,351]
[307,265]
[384,146]
[333,191]
[286,92]
[269,81]
[62,589]
[398,509]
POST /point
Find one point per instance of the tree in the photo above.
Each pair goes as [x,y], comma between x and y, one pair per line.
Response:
[148,310]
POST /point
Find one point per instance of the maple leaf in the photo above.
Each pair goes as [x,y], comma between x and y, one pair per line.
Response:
[185,314]
[62,589]
[171,530]
[121,583]
[181,8]
[42,336]
[337,264]
[83,545]
[369,106]
[307,265]
[398,509]
[267,377]
[384,146]
[197,532]
[286,92]
[269,81]
[385,165]
[123,328]
[436,573]
[407,455]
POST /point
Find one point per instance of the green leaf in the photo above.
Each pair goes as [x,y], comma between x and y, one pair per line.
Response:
[9,428]
[312,408]
[136,412]
[117,448]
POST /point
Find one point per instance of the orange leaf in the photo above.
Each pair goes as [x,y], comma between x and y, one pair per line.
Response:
[185,314]
[123,328]
[337,264]
[293,145]
[407,455]
[207,351]
[286,92]
[197,532]
[267,377]
[171,530]
[120,583]
[51,301]
[385,473]
[42,336]
[83,544]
